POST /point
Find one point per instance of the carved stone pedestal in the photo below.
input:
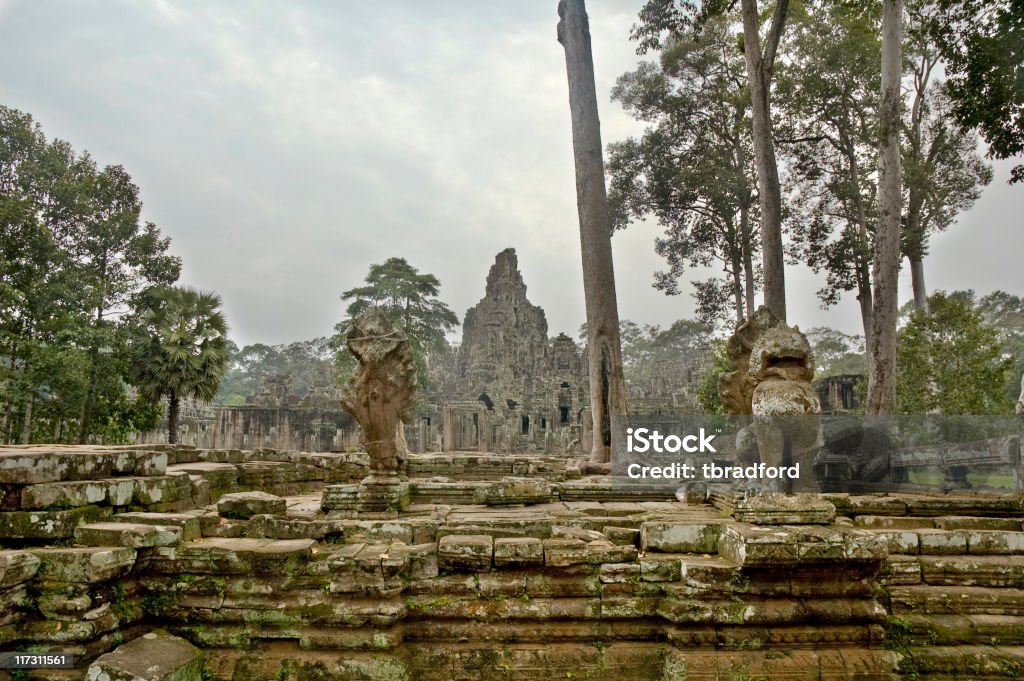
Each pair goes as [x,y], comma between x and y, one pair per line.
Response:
[379,493]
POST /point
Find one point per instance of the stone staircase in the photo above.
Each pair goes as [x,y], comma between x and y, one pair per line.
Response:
[954,588]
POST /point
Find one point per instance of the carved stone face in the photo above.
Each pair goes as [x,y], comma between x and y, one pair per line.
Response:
[781,352]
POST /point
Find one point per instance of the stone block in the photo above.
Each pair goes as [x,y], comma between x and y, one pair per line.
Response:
[900,570]
[971,523]
[942,543]
[1004,572]
[680,537]
[47,524]
[782,509]
[563,532]
[190,526]
[243,505]
[564,552]
[33,465]
[622,535]
[340,498]
[900,541]
[752,546]
[17,567]
[91,564]
[233,556]
[133,535]
[465,553]
[994,542]
[619,573]
[419,561]
[603,551]
[661,569]
[515,491]
[893,523]
[518,552]
[113,492]
[156,656]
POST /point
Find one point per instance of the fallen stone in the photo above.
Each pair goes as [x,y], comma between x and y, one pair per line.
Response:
[781,509]
[518,551]
[622,535]
[133,535]
[90,564]
[156,656]
[465,553]
[603,551]
[994,542]
[244,505]
[661,569]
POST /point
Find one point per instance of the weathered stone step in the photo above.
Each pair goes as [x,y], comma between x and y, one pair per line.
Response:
[42,464]
[244,505]
[156,656]
[88,564]
[964,662]
[107,492]
[233,556]
[956,600]
[43,525]
[133,535]
[190,526]
[953,630]
[791,545]
[991,571]
[933,541]
[928,506]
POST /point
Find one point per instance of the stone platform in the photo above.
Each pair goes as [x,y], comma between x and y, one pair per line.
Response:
[502,571]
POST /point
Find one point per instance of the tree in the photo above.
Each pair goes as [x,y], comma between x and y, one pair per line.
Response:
[950,361]
[691,170]
[982,45]
[181,350]
[836,353]
[409,299]
[1004,312]
[760,59]
[829,92]
[607,384]
[120,258]
[308,363]
[942,171]
[662,22]
[881,399]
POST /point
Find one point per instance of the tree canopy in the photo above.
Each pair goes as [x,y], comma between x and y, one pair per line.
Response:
[410,299]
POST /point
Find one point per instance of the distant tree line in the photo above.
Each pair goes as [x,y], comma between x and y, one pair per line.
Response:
[87,299]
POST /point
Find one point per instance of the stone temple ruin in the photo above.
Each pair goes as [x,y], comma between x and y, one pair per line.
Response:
[176,563]
[507,388]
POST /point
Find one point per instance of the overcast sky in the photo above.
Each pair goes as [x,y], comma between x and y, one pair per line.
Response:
[286,146]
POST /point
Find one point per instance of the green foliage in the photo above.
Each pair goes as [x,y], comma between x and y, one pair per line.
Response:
[692,169]
[180,350]
[982,45]
[949,361]
[409,298]
[1005,313]
[76,262]
[707,389]
[836,353]
[308,363]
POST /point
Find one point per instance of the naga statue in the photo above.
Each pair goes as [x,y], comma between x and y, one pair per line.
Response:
[381,391]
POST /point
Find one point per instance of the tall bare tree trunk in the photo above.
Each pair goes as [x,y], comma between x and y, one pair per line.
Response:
[172,418]
[917,283]
[759,72]
[26,426]
[882,342]
[607,385]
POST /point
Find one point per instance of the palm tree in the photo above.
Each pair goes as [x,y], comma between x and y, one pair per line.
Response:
[181,350]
